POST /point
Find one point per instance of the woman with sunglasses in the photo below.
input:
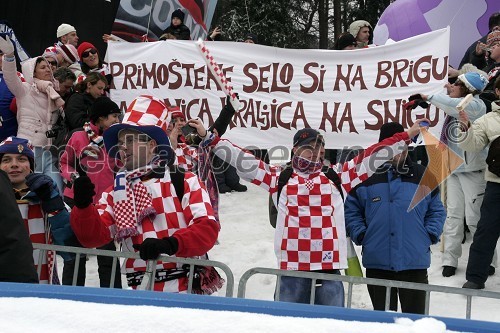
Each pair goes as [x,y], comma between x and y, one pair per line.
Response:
[465,186]
[90,61]
[38,104]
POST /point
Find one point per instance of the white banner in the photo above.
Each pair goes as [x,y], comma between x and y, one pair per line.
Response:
[347,95]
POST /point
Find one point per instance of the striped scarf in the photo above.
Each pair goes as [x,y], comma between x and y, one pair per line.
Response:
[132,201]
[95,141]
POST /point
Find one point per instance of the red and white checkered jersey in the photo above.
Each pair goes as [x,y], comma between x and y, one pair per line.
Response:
[310,228]
[104,70]
[186,157]
[191,221]
[36,223]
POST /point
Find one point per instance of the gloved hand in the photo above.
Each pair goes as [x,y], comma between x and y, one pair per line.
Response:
[151,248]
[414,101]
[40,184]
[46,190]
[224,118]
[83,191]
[6,46]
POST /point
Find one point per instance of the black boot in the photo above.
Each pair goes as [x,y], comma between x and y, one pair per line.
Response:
[239,188]
[473,285]
[449,271]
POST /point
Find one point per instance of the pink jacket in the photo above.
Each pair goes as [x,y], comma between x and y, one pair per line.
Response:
[33,115]
[100,169]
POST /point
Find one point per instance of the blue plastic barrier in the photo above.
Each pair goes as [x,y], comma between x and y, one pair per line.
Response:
[136,297]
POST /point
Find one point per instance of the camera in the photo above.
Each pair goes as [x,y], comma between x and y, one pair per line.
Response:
[187,130]
[52,133]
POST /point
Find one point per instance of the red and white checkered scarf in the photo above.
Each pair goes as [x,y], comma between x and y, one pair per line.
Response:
[132,201]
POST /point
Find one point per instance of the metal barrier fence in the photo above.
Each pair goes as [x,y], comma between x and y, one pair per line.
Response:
[148,280]
[352,280]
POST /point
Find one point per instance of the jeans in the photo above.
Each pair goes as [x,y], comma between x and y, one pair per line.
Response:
[298,290]
[47,164]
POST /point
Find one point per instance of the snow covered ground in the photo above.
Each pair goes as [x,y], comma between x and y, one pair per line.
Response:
[246,241]
[49,315]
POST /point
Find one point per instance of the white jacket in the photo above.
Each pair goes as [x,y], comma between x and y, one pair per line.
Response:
[33,115]
[482,132]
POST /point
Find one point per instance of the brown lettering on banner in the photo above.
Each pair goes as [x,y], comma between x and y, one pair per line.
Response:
[116,69]
[251,76]
[272,72]
[332,118]
[149,75]
[162,74]
[285,76]
[378,116]
[317,81]
[188,68]
[299,115]
[123,106]
[346,79]
[130,72]
[402,71]
[444,70]
[280,123]
[205,112]
[177,84]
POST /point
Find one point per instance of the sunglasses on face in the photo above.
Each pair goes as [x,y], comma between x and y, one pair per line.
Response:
[87,53]
[52,63]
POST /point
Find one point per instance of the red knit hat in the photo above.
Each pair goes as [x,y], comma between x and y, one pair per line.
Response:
[176,112]
[85,46]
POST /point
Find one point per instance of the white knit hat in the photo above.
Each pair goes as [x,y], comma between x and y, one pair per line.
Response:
[64,29]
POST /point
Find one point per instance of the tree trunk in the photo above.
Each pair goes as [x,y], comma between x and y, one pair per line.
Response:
[337,18]
[323,24]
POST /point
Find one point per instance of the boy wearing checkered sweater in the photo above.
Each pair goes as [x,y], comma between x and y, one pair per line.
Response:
[310,230]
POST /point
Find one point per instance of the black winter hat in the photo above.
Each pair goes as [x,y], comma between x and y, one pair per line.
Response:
[102,107]
[307,135]
[389,129]
[345,40]
[179,14]
[252,37]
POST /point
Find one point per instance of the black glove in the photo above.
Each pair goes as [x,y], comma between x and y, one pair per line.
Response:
[40,184]
[224,118]
[414,101]
[46,191]
[151,248]
[83,191]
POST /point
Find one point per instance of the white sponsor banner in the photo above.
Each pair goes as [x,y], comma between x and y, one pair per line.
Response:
[347,95]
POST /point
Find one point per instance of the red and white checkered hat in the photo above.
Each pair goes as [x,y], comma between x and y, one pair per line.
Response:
[146,114]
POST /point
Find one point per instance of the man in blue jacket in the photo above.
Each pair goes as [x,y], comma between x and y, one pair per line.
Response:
[396,240]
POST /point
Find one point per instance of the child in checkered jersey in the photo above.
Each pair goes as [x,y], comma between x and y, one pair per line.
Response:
[310,229]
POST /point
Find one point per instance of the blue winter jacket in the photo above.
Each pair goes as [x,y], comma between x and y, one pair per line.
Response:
[377,217]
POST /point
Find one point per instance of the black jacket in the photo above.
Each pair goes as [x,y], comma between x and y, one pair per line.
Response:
[470,56]
[16,250]
[77,110]
[180,32]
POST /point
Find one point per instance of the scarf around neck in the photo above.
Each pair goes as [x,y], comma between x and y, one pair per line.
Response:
[132,201]
[47,87]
